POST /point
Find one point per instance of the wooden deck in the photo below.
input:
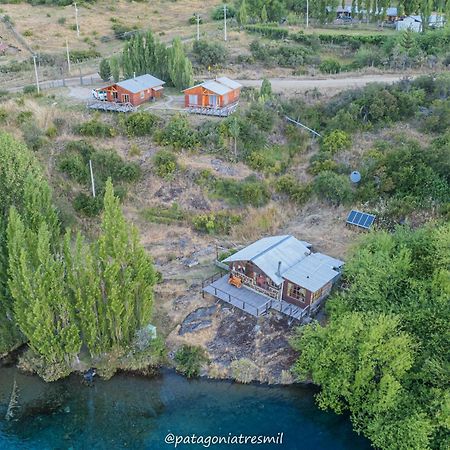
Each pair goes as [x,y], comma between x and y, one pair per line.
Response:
[250,301]
[224,111]
[103,105]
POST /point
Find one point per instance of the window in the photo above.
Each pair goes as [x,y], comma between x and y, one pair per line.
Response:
[296,292]
[142,95]
[125,98]
[213,100]
[193,99]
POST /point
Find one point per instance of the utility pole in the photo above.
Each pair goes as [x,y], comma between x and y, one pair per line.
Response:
[92,178]
[76,19]
[36,73]
[307,13]
[225,21]
[68,55]
[198,26]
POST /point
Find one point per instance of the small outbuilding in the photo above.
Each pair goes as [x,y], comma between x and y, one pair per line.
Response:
[134,91]
[218,97]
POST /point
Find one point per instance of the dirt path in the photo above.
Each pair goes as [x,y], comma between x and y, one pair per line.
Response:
[278,84]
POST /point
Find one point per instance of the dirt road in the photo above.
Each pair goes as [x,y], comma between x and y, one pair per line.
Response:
[291,85]
[338,83]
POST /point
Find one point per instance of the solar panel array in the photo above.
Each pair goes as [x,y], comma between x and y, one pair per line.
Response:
[360,219]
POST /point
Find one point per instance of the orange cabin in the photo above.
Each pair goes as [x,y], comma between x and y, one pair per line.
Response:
[135,90]
[217,93]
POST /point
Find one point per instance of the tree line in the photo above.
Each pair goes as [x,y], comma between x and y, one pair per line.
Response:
[59,292]
[142,54]
[252,11]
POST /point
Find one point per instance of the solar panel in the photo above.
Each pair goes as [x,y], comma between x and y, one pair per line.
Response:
[360,219]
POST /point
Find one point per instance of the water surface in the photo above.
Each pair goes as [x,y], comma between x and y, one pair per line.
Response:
[129,412]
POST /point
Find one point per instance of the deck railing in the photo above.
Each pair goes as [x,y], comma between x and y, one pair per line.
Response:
[250,282]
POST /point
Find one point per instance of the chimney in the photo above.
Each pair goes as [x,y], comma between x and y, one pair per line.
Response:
[279,269]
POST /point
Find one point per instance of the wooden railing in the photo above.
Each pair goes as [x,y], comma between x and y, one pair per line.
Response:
[250,282]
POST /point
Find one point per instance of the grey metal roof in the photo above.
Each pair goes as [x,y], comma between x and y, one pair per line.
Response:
[229,82]
[216,87]
[140,83]
[313,272]
[267,252]
[309,270]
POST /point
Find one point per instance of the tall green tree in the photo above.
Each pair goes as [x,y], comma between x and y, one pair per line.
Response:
[104,70]
[242,13]
[180,68]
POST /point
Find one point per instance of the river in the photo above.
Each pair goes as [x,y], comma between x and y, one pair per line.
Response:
[131,412]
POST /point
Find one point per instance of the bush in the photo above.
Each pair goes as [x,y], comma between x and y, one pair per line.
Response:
[298,193]
[139,123]
[163,214]
[244,370]
[165,163]
[122,31]
[210,53]
[95,128]
[178,134]
[88,205]
[30,89]
[332,187]
[83,55]
[335,141]
[215,223]
[330,66]
[189,360]
[32,135]
[218,12]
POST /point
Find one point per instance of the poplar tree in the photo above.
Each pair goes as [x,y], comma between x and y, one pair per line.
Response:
[180,68]
[126,272]
[242,13]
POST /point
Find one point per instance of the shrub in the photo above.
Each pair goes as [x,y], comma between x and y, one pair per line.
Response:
[95,128]
[62,20]
[163,214]
[139,123]
[189,360]
[215,223]
[298,193]
[83,55]
[218,12]
[335,141]
[178,134]
[32,135]
[165,163]
[332,187]
[210,53]
[244,370]
[330,66]
[88,205]
[30,89]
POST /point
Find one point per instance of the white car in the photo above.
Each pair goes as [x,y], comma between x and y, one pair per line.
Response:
[99,95]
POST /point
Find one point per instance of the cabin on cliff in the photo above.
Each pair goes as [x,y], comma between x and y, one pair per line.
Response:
[218,97]
[277,272]
[133,91]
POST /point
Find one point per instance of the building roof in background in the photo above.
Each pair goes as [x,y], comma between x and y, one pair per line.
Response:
[140,83]
[298,264]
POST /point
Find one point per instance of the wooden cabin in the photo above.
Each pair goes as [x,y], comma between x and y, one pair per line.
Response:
[285,269]
[217,97]
[134,91]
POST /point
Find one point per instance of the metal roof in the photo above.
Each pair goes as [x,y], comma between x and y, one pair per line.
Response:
[229,82]
[268,252]
[140,83]
[313,272]
[220,86]
[309,270]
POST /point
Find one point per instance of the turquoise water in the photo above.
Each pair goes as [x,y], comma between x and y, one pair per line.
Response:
[129,412]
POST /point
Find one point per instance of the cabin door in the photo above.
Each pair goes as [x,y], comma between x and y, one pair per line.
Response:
[213,100]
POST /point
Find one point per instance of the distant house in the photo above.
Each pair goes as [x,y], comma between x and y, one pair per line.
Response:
[134,91]
[216,97]
[414,23]
[277,272]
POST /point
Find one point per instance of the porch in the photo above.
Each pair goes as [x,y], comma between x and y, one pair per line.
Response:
[105,105]
[223,111]
[248,300]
